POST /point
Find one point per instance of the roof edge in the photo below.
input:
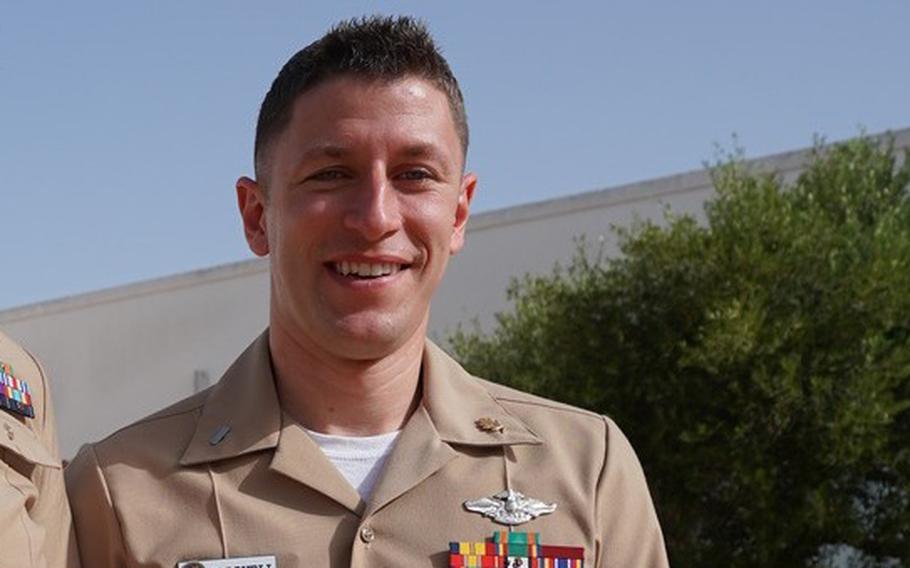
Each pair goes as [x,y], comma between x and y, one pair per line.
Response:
[782,162]
[135,289]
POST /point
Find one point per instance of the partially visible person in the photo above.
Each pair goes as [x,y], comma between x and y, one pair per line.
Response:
[35,526]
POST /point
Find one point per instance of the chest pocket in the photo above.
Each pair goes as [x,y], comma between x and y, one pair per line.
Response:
[20,441]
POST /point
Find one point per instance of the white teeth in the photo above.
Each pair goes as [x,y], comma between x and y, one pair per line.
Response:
[364,269]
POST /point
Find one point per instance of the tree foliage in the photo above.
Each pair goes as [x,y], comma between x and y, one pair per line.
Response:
[759,360]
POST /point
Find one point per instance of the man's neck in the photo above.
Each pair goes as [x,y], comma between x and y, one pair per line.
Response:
[345,397]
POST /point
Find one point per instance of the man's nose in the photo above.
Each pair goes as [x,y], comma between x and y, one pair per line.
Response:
[373,209]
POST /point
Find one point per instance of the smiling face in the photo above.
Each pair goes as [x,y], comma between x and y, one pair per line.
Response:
[366,201]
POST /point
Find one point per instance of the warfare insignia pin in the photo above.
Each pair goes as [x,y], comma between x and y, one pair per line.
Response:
[15,395]
[510,508]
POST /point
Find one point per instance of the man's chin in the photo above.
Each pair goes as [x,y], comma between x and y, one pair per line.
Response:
[366,348]
[366,335]
[369,339]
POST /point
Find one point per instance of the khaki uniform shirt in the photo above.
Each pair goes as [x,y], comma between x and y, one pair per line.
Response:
[180,486]
[35,528]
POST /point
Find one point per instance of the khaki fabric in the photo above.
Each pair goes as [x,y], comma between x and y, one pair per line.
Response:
[179,486]
[35,527]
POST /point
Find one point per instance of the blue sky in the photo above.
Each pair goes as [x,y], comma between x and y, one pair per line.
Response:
[123,125]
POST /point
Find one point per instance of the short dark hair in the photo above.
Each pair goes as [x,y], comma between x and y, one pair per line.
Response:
[371,47]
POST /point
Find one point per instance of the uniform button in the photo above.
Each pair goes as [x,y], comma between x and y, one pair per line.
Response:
[9,432]
[367,535]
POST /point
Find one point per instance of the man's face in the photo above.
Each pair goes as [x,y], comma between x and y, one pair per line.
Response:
[365,203]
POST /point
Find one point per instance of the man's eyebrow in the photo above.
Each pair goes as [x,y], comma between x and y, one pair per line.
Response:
[428,151]
[327,150]
[417,150]
[422,150]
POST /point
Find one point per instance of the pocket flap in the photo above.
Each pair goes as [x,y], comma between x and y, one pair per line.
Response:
[19,439]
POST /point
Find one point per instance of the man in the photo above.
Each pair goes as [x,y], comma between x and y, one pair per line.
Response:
[35,527]
[342,437]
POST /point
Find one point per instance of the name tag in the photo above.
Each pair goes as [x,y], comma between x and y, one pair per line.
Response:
[245,562]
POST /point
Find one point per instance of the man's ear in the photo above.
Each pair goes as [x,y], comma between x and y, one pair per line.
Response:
[463,211]
[252,203]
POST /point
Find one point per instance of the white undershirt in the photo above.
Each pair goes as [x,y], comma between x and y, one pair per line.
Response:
[359,459]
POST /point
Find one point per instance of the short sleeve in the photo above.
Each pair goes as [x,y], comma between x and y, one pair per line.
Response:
[629,532]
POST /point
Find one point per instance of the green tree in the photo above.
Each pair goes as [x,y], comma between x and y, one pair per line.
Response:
[759,360]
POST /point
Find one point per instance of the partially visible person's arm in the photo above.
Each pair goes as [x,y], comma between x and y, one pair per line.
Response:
[35,525]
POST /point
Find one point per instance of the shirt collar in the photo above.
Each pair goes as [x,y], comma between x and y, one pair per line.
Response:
[455,400]
[242,414]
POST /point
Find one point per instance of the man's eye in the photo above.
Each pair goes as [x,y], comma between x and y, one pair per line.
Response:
[327,175]
[415,175]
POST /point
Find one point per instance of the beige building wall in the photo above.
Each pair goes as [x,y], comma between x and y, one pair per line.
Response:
[119,354]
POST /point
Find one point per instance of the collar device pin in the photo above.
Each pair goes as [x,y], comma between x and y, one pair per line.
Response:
[219,435]
[489,425]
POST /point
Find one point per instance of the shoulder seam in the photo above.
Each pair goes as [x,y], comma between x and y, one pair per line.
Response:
[153,418]
[551,406]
